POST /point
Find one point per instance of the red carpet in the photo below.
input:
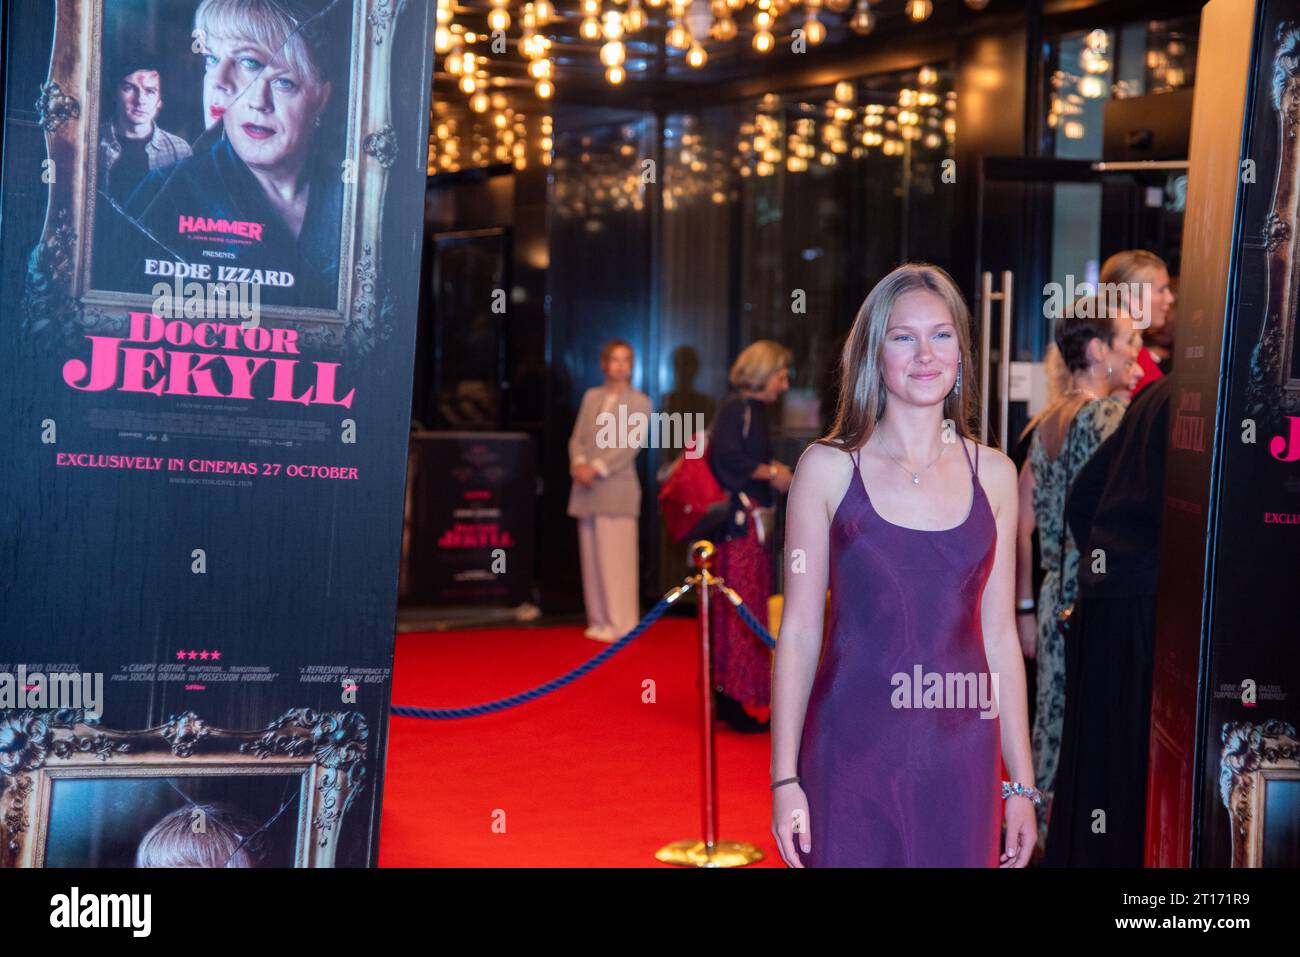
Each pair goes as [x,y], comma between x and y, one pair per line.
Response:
[588,776]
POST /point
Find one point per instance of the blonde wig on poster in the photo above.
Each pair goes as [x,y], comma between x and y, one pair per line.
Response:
[226,839]
[285,29]
[863,397]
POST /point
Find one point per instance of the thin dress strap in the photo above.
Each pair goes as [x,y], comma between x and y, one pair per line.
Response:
[854,456]
[974,468]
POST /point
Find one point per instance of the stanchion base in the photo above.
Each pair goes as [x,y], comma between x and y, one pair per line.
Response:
[695,853]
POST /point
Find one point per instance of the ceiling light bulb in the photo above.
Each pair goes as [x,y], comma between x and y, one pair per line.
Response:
[612,54]
[723,29]
[864,18]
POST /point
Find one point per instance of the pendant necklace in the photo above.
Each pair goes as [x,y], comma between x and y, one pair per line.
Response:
[916,476]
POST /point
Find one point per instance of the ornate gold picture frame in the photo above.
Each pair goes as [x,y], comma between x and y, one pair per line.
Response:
[325,751]
[1253,756]
[59,288]
[1275,362]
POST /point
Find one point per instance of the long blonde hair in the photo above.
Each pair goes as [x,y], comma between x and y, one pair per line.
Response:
[862,381]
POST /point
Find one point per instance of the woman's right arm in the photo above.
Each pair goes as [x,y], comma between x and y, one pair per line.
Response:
[807,554]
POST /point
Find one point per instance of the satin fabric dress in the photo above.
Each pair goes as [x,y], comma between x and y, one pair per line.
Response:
[892,786]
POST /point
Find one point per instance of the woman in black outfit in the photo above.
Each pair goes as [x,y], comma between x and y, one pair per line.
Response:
[740,454]
[1114,505]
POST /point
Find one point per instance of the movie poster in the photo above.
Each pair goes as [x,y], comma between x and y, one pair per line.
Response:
[1251,757]
[471,509]
[209,261]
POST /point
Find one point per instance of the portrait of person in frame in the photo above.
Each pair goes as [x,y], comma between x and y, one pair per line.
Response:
[182,794]
[238,142]
[260,200]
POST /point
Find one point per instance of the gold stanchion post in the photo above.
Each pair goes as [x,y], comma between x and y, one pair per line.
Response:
[709,852]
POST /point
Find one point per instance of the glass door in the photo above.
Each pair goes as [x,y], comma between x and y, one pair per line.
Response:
[1044,227]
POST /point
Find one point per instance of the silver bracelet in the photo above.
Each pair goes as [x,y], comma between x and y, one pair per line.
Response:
[1015,787]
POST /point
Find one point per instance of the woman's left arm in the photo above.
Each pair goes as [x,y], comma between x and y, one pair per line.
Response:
[1002,650]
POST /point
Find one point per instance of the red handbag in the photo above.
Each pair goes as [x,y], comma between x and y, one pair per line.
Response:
[692,501]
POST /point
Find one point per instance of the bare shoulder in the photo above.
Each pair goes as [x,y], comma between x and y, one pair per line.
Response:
[822,472]
[823,462]
[997,472]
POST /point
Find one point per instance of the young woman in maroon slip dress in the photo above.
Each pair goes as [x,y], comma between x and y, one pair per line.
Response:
[886,737]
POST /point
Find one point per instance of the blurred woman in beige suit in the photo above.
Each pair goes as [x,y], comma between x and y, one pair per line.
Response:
[606,495]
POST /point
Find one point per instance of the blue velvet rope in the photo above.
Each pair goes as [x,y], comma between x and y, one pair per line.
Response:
[532,694]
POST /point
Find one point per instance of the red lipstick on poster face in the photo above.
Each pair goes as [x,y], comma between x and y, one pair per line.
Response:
[216,112]
[253,131]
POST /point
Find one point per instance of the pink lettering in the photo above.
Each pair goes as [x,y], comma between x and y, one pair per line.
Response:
[1277,445]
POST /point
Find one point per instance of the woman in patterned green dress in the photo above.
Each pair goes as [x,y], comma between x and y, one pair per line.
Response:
[1099,346]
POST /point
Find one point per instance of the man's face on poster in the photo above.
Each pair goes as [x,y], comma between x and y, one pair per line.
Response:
[139,99]
[269,108]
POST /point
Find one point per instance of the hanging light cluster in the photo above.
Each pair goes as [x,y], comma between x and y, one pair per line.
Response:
[455,45]
[596,175]
[461,139]
[700,172]
[1167,65]
[687,26]
[822,135]
[1071,90]
[608,177]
